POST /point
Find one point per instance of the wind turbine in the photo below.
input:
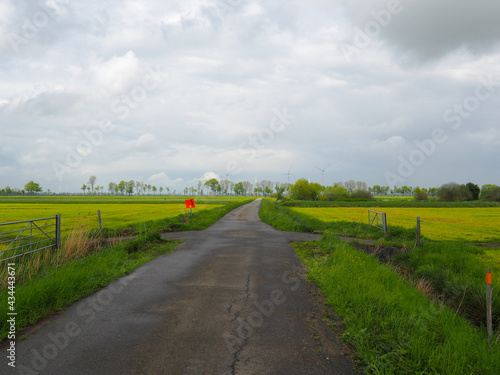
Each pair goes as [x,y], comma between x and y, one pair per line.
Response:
[322,172]
[226,174]
[288,174]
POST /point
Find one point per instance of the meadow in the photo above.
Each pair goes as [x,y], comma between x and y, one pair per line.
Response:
[116,212]
[475,224]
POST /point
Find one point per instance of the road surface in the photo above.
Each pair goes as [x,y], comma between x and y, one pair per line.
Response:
[230,300]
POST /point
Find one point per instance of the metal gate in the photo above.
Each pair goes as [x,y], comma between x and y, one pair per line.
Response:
[19,238]
[377,219]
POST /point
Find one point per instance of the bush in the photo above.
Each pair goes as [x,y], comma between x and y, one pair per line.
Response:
[420,194]
[334,193]
[362,194]
[490,193]
[453,192]
[305,190]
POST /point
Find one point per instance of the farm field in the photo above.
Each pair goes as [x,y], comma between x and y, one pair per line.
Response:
[439,224]
[116,212]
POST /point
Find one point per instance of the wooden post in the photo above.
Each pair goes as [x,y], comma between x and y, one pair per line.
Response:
[488,306]
[384,219]
[418,231]
[100,221]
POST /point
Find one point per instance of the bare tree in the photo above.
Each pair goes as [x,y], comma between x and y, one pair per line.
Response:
[92,182]
[350,185]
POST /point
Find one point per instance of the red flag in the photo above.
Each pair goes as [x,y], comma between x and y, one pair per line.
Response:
[190,203]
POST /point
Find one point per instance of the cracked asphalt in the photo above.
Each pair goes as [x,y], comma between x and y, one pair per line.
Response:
[230,300]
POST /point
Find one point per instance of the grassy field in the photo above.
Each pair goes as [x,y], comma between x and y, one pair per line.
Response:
[114,216]
[439,224]
[116,212]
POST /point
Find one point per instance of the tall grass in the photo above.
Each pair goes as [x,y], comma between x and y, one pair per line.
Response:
[392,324]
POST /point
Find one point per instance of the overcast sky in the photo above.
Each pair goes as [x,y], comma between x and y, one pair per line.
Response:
[388,92]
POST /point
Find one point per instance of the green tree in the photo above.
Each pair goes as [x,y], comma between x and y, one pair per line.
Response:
[32,187]
[474,189]
[304,190]
[122,187]
[213,184]
[239,189]
[130,187]
[83,188]
[490,192]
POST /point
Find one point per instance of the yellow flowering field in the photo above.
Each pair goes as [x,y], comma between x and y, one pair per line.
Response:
[440,224]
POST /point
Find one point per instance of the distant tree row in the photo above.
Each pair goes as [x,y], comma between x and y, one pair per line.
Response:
[451,192]
[301,190]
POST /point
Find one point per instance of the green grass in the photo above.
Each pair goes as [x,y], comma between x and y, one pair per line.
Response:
[394,328]
[54,288]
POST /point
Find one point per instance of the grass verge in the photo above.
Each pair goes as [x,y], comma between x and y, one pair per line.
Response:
[394,327]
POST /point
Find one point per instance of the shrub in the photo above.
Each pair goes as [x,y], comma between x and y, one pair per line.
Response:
[490,193]
[420,194]
[362,194]
[334,193]
[305,190]
[453,192]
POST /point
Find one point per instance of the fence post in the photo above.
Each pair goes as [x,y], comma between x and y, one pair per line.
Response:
[100,221]
[418,231]
[384,219]
[58,230]
[488,306]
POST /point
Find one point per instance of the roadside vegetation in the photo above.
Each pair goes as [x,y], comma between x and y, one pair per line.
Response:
[405,309]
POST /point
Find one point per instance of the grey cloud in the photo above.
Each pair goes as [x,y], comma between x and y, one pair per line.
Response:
[427,29]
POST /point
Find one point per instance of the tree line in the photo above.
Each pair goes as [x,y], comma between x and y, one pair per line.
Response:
[450,192]
[302,189]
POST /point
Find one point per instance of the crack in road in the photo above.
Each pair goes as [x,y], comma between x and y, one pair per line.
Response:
[240,348]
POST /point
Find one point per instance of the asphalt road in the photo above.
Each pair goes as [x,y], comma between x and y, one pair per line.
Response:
[230,300]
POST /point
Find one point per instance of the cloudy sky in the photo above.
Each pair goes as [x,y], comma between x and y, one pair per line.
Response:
[385,91]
